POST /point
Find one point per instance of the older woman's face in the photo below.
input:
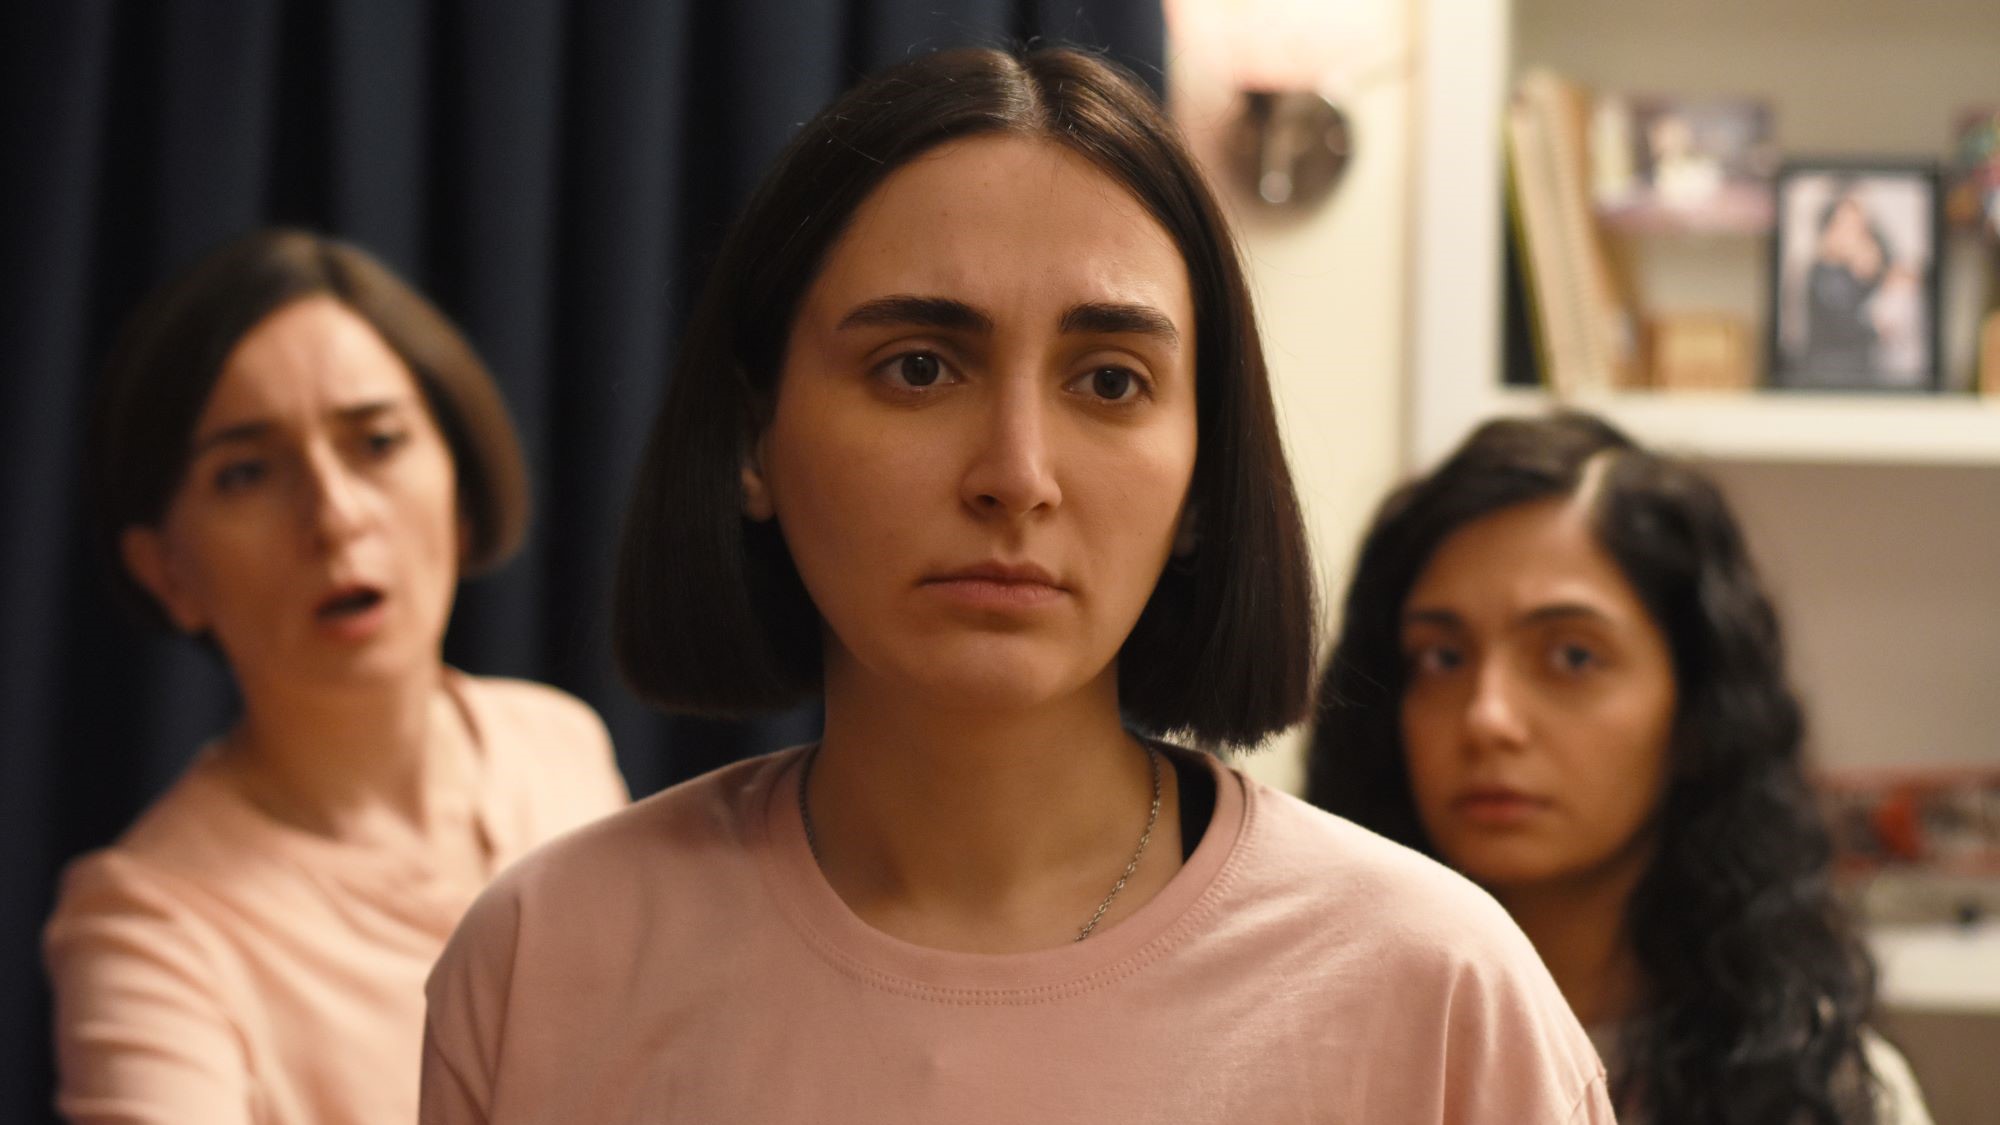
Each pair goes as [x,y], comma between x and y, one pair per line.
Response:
[1538,703]
[985,426]
[315,534]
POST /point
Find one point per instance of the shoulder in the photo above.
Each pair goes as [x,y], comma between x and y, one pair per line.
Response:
[524,709]
[118,910]
[201,832]
[553,756]
[1366,887]
[1440,970]
[567,921]
[645,853]
[1898,1100]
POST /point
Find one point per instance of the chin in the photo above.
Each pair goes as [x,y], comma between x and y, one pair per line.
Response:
[1504,864]
[375,666]
[1008,675]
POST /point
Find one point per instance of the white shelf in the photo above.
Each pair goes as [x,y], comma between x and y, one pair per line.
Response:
[1939,968]
[1778,426]
[1455,331]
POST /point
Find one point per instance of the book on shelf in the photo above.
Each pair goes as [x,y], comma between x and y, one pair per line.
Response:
[1581,324]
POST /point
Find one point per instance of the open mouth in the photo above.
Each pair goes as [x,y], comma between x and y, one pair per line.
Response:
[350,601]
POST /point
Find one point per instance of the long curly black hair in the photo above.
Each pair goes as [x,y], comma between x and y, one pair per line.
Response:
[1756,986]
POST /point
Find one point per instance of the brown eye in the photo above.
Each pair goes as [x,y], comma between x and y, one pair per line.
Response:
[1573,659]
[237,476]
[919,369]
[1114,384]
[382,443]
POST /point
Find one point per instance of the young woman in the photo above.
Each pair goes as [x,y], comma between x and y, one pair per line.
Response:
[296,458]
[970,435]
[1558,673]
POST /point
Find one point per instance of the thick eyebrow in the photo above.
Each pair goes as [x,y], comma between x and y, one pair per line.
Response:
[1442,618]
[1107,318]
[259,428]
[1563,611]
[1102,317]
[227,435]
[921,312]
[1540,615]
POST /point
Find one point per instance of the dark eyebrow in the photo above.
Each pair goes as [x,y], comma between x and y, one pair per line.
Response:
[1563,611]
[1540,615]
[1115,319]
[923,312]
[260,428]
[363,411]
[1442,618]
[227,435]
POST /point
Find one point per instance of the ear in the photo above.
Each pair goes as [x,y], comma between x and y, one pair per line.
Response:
[1187,536]
[756,492]
[144,552]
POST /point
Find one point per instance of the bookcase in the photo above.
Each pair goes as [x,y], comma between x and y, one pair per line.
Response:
[1874,517]
[1843,76]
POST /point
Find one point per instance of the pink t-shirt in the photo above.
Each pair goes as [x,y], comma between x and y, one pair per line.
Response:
[220,967]
[685,961]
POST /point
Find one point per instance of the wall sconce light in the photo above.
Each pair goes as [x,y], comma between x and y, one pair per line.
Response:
[1294,63]
[1289,148]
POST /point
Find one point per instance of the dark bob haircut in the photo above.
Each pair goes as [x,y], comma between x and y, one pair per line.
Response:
[171,351]
[1756,988]
[711,616]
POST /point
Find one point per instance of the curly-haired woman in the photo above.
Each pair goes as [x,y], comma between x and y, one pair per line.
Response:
[1559,673]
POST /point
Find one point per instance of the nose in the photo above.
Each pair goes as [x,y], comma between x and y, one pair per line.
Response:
[1012,473]
[1495,718]
[331,500]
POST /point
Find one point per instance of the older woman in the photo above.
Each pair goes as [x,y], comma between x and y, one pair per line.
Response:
[1559,673]
[971,438]
[297,457]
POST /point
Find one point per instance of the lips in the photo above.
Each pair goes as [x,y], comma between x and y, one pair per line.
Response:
[1497,806]
[348,601]
[997,587]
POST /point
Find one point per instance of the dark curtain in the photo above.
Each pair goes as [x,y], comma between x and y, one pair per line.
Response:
[553,174]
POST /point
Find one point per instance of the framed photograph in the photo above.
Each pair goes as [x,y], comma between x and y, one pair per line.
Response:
[1855,273]
[1663,164]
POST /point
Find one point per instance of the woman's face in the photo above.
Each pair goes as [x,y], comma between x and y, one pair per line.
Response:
[985,426]
[1539,702]
[315,534]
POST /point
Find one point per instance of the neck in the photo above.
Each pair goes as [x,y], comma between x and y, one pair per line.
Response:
[356,763]
[1578,927]
[991,831]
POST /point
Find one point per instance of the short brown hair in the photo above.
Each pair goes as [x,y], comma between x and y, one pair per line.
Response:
[171,351]
[711,617]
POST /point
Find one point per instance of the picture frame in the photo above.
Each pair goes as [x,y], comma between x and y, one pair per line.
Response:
[1665,164]
[1854,276]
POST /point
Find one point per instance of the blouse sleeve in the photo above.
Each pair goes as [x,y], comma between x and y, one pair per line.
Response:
[465,1018]
[1511,1049]
[140,1033]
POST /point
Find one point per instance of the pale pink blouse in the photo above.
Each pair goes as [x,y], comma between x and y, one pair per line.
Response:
[217,966]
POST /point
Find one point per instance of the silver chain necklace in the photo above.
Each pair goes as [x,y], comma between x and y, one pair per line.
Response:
[1146,837]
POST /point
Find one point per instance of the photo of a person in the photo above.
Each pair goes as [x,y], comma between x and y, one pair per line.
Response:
[1855,307]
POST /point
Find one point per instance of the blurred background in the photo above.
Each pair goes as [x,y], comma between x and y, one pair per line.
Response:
[1450,209]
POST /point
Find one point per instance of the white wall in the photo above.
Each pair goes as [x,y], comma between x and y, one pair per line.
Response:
[1330,290]
[1888,582]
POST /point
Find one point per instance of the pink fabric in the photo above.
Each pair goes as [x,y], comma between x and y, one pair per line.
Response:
[685,961]
[217,966]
